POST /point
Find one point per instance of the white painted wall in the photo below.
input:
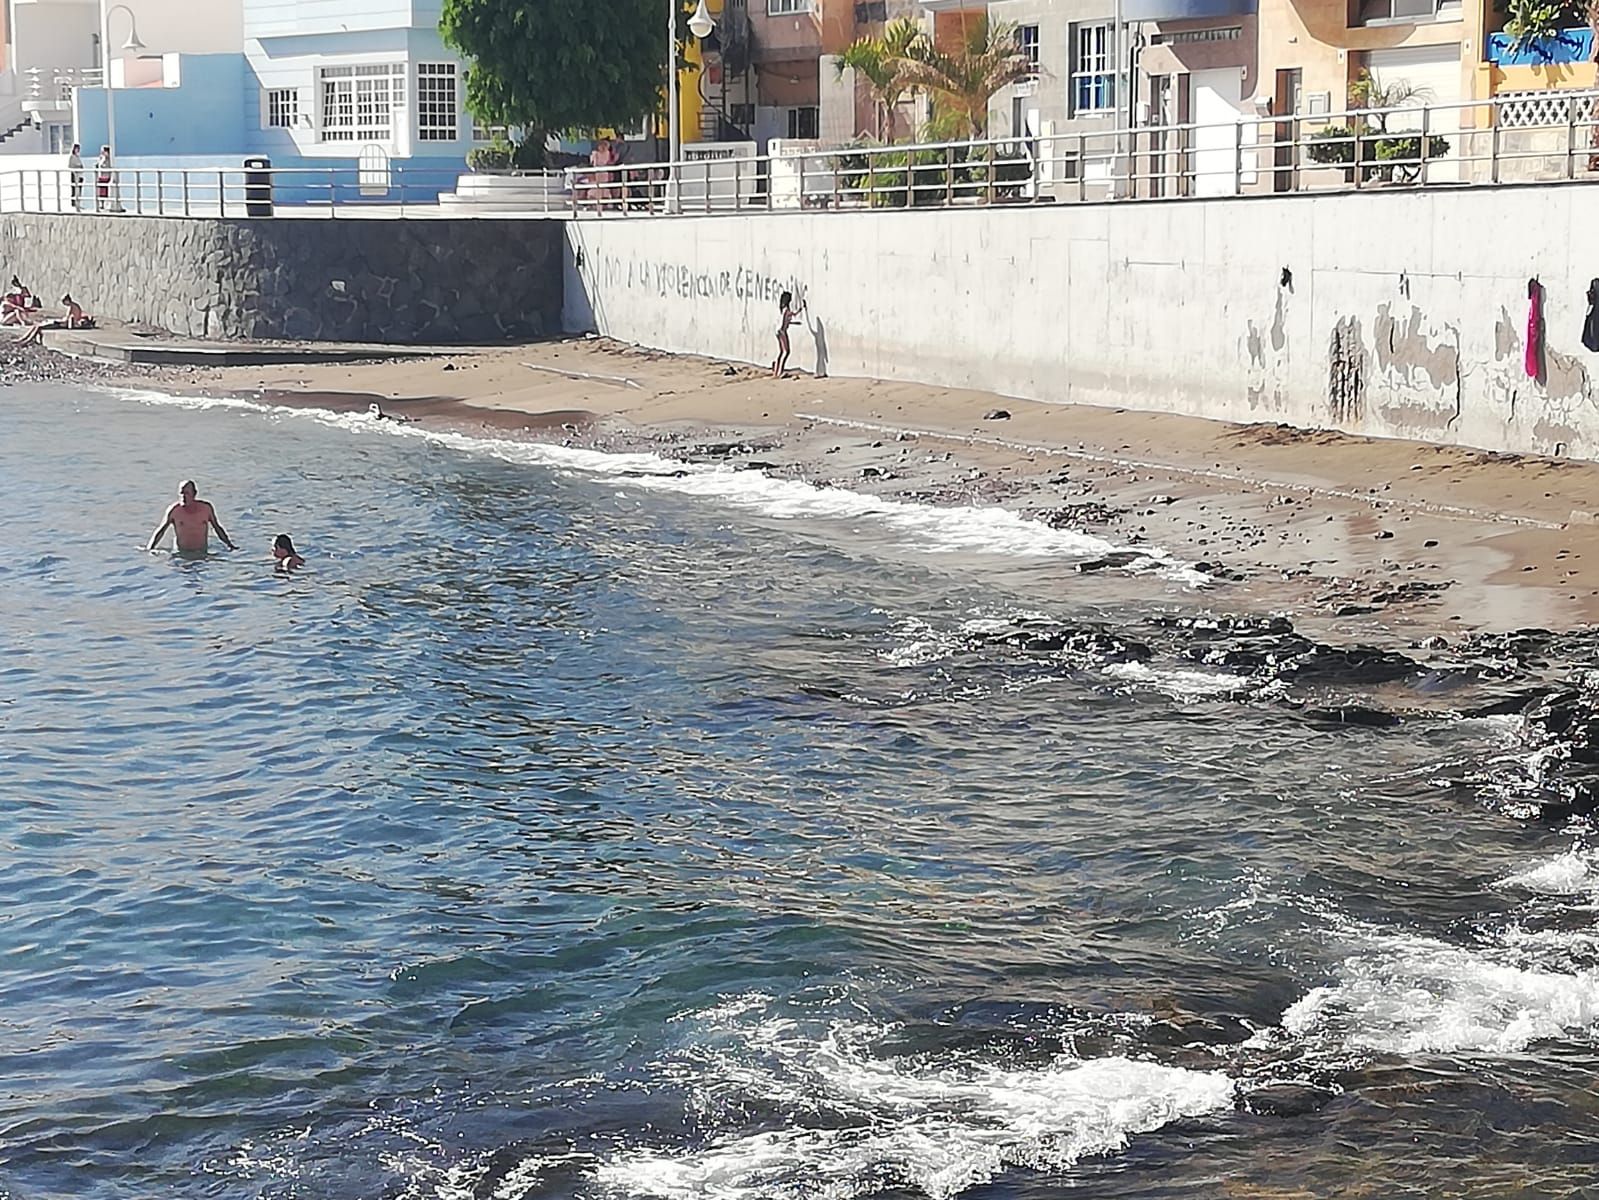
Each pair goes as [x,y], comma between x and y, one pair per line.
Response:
[1172,306]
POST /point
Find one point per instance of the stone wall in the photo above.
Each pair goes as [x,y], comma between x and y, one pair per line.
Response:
[361,280]
[1394,313]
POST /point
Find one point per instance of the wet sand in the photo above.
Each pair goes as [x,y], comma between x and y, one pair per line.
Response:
[1361,536]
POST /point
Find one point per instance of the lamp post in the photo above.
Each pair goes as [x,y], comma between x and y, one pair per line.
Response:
[700,25]
[134,44]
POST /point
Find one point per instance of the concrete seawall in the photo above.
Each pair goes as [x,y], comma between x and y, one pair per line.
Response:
[1391,313]
[333,280]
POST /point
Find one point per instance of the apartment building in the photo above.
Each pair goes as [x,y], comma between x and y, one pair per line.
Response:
[790,52]
[366,85]
[55,46]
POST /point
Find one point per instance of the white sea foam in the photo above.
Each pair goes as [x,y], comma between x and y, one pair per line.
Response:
[1407,994]
[1574,873]
[1176,682]
[930,528]
[941,1123]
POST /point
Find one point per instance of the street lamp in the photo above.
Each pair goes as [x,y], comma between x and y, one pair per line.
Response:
[700,25]
[132,44]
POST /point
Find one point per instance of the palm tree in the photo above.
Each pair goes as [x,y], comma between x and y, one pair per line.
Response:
[965,79]
[882,62]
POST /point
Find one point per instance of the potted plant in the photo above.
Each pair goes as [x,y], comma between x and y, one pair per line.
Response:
[1382,155]
[1541,33]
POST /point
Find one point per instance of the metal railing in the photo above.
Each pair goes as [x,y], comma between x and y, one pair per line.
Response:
[1520,137]
[1514,138]
[389,189]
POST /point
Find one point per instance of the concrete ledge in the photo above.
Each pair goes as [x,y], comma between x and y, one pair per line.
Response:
[117,347]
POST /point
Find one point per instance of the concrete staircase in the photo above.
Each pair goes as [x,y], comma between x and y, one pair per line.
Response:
[530,192]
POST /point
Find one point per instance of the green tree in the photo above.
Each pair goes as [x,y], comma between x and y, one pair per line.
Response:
[964,79]
[548,65]
[883,62]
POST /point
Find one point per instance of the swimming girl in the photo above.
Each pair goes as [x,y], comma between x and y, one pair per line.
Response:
[283,550]
[790,312]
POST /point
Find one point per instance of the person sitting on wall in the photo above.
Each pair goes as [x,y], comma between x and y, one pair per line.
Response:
[76,317]
[17,308]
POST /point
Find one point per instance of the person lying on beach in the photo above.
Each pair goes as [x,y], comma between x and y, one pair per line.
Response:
[375,411]
[188,519]
[76,317]
[283,551]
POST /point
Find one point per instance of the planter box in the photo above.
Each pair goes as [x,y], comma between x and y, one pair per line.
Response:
[1568,46]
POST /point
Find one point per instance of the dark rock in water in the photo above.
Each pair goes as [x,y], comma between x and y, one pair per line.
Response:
[1085,643]
[1287,1099]
[1115,560]
[1351,665]
[1074,516]
[1352,715]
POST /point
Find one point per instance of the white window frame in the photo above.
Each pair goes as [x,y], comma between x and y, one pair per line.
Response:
[789,8]
[366,96]
[791,117]
[1092,58]
[437,82]
[1418,12]
[281,108]
[1028,44]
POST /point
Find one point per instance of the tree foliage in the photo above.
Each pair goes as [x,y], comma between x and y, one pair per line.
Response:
[883,62]
[547,65]
[965,78]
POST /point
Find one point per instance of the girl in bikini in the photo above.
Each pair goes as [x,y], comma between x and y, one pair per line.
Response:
[790,313]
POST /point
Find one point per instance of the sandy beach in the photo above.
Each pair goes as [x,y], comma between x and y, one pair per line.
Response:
[1347,533]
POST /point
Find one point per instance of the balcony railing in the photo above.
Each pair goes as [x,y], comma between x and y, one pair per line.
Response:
[51,87]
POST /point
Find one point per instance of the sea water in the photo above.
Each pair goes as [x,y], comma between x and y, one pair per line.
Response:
[579,825]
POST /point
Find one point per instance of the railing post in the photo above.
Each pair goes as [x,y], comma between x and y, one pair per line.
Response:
[185,175]
[1571,138]
[738,184]
[949,176]
[1355,131]
[989,199]
[1238,158]
[707,185]
[1426,140]
[1082,169]
[1494,110]
[222,196]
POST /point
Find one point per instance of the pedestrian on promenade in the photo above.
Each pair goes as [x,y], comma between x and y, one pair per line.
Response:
[75,172]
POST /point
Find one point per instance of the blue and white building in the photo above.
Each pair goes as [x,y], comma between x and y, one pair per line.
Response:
[349,99]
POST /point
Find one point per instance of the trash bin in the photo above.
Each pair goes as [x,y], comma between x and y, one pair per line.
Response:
[258,187]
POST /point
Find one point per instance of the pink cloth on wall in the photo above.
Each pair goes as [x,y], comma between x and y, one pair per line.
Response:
[1534,328]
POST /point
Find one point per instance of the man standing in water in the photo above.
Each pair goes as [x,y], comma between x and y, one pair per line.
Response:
[188,519]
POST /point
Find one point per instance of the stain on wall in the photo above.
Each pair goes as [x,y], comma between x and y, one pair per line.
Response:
[1346,373]
[1417,381]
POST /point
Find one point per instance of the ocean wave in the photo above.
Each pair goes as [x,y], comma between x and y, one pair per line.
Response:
[1574,873]
[857,1121]
[930,528]
[1408,994]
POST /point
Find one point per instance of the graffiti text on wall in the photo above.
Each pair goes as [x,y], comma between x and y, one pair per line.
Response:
[683,281]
